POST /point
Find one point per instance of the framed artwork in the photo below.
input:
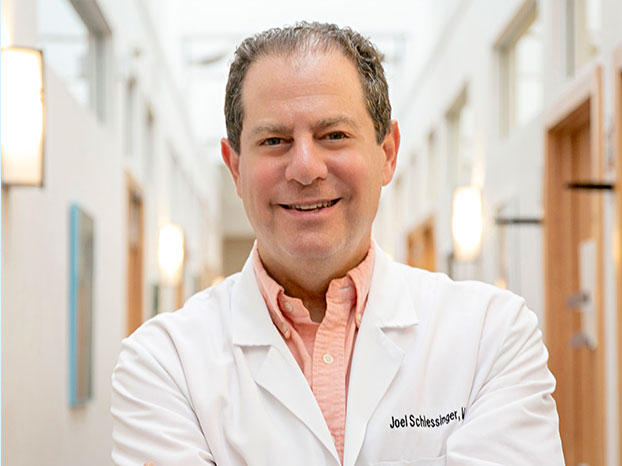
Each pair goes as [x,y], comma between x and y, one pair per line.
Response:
[81,271]
[508,246]
[155,299]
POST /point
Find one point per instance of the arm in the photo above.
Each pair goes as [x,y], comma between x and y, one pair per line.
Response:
[511,418]
[153,419]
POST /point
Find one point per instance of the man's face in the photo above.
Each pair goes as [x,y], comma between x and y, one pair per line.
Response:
[309,170]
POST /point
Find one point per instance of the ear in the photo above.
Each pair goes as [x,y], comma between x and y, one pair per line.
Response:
[232,160]
[390,146]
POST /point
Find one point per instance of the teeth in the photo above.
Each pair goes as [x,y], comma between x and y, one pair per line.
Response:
[317,205]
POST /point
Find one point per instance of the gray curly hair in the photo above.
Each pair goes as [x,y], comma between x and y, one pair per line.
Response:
[306,37]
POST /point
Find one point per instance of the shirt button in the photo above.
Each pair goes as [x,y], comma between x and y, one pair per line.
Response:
[288,307]
[328,358]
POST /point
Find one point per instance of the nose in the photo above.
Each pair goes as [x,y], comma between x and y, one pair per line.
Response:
[306,163]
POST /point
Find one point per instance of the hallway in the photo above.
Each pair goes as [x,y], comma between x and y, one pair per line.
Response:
[509,172]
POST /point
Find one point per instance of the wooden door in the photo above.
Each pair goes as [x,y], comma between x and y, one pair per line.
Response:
[573,222]
[421,252]
[134,257]
[618,255]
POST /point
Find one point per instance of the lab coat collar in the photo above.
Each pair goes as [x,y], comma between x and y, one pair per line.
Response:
[380,348]
[387,304]
[252,325]
[391,301]
[377,357]
[269,359]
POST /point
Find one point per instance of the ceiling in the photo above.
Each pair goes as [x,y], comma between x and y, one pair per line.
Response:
[205,33]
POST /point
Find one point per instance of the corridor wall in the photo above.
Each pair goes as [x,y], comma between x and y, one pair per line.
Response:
[87,162]
[464,53]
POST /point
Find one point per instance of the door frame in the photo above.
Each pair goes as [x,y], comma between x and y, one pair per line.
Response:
[132,321]
[585,89]
[617,80]
[422,229]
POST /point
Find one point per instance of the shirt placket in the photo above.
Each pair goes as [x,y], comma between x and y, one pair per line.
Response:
[329,362]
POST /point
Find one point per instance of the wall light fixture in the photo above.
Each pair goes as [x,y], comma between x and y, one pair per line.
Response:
[467,223]
[22,116]
[171,252]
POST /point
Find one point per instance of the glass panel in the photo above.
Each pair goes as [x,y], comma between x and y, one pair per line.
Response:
[528,74]
[522,74]
[466,130]
[64,39]
[588,28]
[508,248]
[130,97]
[461,127]
[584,25]
[148,147]
[433,164]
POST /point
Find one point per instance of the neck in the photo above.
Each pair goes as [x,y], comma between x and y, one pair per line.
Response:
[309,280]
[312,293]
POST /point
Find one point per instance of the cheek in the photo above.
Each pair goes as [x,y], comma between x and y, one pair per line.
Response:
[256,179]
[363,179]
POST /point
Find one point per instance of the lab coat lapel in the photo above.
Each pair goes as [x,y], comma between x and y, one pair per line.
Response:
[270,360]
[275,376]
[378,353]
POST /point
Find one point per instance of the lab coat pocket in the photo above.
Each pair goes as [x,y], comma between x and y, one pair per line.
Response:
[439,461]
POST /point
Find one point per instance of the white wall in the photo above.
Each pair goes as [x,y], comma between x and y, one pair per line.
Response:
[459,44]
[86,162]
[81,165]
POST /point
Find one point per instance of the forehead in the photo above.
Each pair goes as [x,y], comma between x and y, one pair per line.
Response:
[301,79]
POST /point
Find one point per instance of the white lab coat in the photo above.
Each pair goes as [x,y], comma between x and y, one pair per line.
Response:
[443,373]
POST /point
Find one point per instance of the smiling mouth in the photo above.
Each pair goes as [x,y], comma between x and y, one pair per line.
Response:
[316,206]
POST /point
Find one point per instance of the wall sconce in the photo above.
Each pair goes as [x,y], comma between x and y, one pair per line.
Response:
[22,117]
[467,223]
[171,252]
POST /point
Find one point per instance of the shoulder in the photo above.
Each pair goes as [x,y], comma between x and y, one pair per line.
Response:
[469,293]
[482,307]
[493,327]
[202,321]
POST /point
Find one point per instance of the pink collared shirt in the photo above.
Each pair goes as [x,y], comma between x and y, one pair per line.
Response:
[323,350]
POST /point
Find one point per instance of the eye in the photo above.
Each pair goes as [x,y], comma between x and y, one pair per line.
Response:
[335,136]
[272,141]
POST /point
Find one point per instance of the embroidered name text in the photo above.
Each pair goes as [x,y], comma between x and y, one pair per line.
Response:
[413,420]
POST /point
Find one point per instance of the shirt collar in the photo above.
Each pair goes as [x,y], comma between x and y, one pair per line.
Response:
[274,294]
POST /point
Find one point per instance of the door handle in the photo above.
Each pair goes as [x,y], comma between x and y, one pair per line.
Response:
[577,300]
[580,340]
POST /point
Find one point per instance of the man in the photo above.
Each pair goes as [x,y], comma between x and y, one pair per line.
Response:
[322,351]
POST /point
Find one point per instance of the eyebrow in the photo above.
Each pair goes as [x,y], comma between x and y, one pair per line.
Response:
[335,121]
[268,128]
[320,125]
